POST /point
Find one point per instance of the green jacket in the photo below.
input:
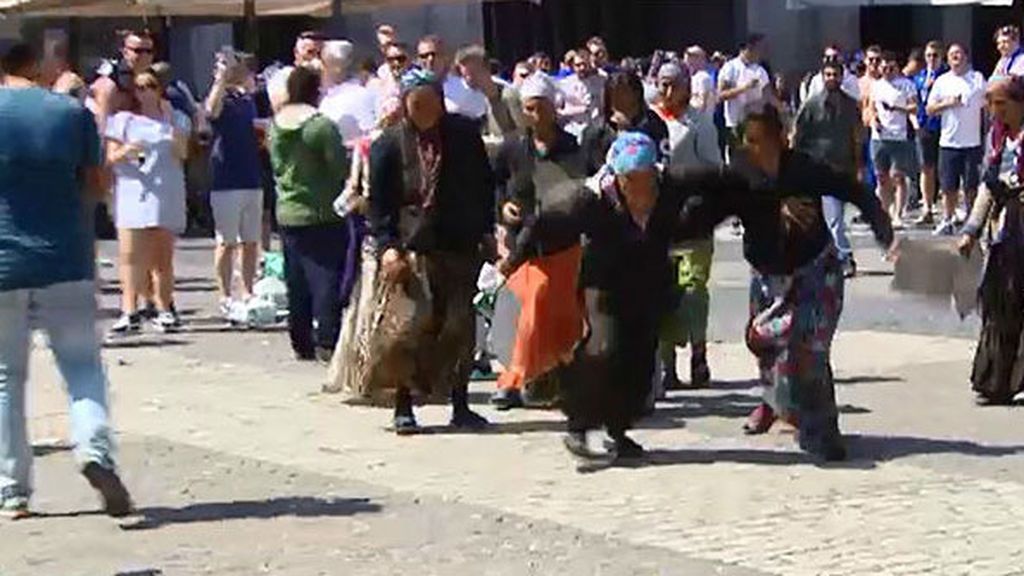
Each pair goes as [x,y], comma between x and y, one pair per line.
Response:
[310,166]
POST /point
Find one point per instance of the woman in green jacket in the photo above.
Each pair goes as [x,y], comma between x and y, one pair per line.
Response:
[310,168]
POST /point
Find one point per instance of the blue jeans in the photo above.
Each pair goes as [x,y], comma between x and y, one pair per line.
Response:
[835,216]
[66,312]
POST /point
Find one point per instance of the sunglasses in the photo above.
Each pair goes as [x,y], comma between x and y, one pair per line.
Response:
[427,55]
[873,59]
[399,59]
[931,55]
[147,88]
[140,50]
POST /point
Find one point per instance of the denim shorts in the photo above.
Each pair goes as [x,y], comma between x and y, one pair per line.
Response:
[889,155]
[928,148]
[959,166]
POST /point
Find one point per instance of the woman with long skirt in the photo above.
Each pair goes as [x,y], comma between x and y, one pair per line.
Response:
[998,374]
[796,289]
[537,172]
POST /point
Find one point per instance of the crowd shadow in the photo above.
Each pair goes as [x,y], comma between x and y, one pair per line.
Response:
[151,518]
[865,452]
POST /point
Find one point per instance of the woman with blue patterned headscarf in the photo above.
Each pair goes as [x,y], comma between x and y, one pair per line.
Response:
[626,287]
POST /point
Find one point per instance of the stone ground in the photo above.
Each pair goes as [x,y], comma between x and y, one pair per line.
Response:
[240,466]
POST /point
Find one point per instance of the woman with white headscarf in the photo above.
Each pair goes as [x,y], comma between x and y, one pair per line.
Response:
[539,171]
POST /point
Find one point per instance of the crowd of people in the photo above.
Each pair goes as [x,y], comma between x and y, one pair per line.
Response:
[593,188]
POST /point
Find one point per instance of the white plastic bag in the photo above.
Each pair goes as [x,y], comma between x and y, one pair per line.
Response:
[272,290]
[253,313]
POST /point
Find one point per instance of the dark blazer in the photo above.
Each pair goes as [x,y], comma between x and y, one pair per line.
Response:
[464,209]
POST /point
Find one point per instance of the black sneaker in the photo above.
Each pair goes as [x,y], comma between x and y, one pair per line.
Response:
[117,503]
[830,448]
[405,425]
[849,268]
[625,447]
[149,312]
[670,381]
[127,324]
[700,373]
[507,400]
[304,355]
[466,419]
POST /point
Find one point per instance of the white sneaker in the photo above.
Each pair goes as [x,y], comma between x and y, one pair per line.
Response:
[126,324]
[225,307]
[167,322]
[945,228]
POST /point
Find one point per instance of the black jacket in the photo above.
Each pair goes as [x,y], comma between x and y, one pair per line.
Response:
[464,208]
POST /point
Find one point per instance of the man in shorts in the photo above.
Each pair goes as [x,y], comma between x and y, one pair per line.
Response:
[236,196]
[891,100]
[958,96]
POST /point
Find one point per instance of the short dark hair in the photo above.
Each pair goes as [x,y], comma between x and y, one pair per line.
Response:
[916,54]
[19,59]
[1009,30]
[400,45]
[833,65]
[752,41]
[767,115]
[873,48]
[890,56]
[304,86]
[935,45]
[627,80]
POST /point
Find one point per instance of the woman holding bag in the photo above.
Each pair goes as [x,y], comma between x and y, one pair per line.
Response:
[146,146]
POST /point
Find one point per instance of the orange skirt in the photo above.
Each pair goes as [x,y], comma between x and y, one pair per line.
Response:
[550,318]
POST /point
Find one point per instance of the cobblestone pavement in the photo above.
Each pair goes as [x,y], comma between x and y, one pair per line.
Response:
[240,466]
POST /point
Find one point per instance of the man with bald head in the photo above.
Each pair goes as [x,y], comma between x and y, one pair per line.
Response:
[702,85]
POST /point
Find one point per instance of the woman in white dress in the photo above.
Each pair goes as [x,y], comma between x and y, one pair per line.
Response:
[146,145]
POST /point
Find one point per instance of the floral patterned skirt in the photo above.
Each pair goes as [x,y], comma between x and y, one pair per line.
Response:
[793,321]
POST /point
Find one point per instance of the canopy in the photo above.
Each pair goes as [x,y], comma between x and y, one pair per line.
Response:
[221,8]
[798,4]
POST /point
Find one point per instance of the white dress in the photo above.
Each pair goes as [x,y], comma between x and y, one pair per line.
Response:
[149,192]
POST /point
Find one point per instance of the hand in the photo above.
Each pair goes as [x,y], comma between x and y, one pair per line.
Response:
[393,265]
[511,213]
[966,245]
[752,83]
[505,267]
[131,152]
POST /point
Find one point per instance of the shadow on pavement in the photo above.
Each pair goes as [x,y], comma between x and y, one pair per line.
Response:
[296,507]
[143,342]
[852,380]
[865,453]
[43,450]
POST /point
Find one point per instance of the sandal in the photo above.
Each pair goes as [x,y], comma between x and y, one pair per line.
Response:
[760,420]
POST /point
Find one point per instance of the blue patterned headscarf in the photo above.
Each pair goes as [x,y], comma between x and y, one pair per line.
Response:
[417,78]
[632,152]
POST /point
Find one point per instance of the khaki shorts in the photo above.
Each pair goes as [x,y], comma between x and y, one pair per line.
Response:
[237,215]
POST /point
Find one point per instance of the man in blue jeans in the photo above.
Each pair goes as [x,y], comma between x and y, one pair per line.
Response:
[49,161]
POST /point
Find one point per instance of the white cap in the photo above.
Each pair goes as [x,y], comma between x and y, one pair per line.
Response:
[538,85]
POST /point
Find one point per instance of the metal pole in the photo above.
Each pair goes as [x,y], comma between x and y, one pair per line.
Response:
[252,29]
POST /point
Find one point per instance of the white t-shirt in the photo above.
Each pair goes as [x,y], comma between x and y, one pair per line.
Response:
[702,90]
[897,92]
[736,73]
[961,125]
[460,99]
[352,107]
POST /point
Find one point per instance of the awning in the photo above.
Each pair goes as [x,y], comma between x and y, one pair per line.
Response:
[799,4]
[209,8]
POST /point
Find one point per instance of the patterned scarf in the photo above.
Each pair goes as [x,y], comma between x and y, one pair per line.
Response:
[428,147]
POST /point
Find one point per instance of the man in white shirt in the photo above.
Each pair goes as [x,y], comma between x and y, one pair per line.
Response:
[307,53]
[816,85]
[702,86]
[1011,55]
[959,97]
[893,98]
[349,104]
[583,94]
[459,97]
[743,84]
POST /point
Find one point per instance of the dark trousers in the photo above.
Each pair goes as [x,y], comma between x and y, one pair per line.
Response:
[611,374]
[314,265]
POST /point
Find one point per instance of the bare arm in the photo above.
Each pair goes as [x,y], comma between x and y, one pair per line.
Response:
[939,106]
[215,99]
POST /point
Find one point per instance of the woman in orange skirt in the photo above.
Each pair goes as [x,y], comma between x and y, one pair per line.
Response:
[539,171]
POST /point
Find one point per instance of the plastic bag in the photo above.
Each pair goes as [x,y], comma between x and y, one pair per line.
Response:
[253,313]
[272,290]
[273,265]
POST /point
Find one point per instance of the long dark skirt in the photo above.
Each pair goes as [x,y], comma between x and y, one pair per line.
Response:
[998,372]
[610,377]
